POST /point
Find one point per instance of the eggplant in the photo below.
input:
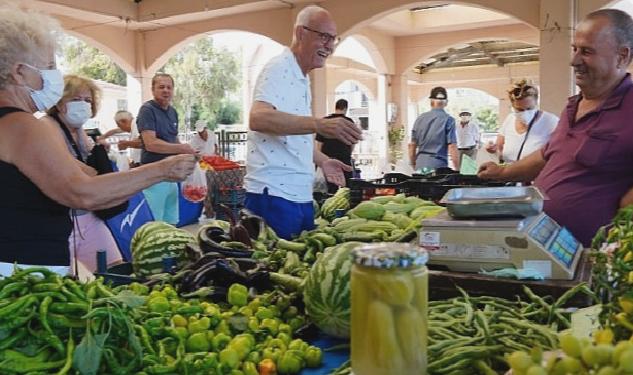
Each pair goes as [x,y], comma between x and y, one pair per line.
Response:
[207,237]
[237,231]
[254,224]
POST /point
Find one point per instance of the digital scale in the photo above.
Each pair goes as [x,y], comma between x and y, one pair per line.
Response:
[473,245]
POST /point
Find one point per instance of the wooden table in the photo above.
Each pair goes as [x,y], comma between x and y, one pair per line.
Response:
[442,285]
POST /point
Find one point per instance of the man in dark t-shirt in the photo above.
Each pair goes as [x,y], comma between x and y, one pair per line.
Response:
[333,147]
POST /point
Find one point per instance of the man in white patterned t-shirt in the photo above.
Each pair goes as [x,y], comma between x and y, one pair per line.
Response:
[281,156]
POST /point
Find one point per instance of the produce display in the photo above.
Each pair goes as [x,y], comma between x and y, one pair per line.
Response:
[577,356]
[238,300]
[613,274]
[50,323]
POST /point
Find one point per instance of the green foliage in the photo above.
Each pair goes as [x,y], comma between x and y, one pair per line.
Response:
[229,113]
[84,60]
[487,119]
[203,76]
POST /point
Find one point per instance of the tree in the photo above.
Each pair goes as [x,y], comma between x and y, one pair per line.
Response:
[487,119]
[81,59]
[203,76]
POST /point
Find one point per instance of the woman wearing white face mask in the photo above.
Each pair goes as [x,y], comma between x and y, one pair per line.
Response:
[79,103]
[40,179]
[526,129]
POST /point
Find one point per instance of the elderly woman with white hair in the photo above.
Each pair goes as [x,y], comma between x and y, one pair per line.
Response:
[40,179]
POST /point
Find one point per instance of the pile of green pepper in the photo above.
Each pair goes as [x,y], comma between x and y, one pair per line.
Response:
[50,323]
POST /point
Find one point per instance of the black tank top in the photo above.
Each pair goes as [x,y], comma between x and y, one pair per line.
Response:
[34,229]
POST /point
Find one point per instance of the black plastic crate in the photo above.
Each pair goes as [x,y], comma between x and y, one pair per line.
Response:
[389,184]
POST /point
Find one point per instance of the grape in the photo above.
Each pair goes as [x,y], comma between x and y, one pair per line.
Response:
[570,345]
[571,365]
[620,348]
[537,354]
[626,361]
[607,371]
[536,370]
[590,356]
[604,354]
[520,361]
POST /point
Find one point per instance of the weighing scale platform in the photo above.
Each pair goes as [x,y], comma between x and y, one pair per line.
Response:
[442,284]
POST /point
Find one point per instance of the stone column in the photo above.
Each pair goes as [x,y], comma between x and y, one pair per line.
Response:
[382,98]
[557,24]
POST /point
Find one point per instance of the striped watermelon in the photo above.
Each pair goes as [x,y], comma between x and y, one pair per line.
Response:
[326,291]
[155,241]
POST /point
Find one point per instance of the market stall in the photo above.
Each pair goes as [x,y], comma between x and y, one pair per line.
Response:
[236,299]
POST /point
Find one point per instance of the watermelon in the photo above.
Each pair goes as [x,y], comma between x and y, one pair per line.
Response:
[326,291]
[155,241]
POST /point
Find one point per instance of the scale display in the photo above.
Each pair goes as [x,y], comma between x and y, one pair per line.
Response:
[562,246]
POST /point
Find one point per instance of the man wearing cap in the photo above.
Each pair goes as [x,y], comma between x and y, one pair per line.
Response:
[204,141]
[433,136]
[467,135]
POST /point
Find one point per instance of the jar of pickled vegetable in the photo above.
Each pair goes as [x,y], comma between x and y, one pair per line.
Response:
[389,287]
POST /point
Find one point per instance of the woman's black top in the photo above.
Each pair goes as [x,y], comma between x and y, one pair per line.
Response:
[34,229]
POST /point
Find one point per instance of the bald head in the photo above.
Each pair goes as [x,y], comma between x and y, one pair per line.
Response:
[314,38]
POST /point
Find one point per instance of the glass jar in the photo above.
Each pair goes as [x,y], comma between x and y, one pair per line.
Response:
[389,287]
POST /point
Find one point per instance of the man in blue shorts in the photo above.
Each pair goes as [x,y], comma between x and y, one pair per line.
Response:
[281,156]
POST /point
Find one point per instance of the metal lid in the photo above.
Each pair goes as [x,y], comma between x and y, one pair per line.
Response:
[388,255]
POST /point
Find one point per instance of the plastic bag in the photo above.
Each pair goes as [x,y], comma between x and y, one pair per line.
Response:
[320,183]
[122,162]
[194,188]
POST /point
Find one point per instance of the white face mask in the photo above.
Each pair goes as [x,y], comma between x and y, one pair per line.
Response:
[465,118]
[525,116]
[77,113]
[51,91]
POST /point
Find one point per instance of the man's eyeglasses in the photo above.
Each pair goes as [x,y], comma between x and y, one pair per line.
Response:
[325,37]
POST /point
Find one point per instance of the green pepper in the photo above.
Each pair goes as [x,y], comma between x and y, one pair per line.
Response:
[198,342]
[60,321]
[298,344]
[289,363]
[220,341]
[223,327]
[296,323]
[254,357]
[189,309]
[255,304]
[290,312]
[139,289]
[285,328]
[284,337]
[236,372]
[246,311]
[199,325]
[179,320]
[169,292]
[272,325]
[264,313]
[249,368]
[277,343]
[238,295]
[313,356]
[158,304]
[253,323]
[154,326]
[272,353]
[230,357]
[49,336]
[242,345]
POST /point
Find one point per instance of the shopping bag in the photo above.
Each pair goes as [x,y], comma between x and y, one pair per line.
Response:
[194,188]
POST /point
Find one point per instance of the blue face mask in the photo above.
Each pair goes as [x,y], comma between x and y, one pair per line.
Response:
[51,91]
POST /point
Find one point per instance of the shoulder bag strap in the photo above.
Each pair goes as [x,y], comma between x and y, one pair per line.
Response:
[6,110]
[536,116]
[69,136]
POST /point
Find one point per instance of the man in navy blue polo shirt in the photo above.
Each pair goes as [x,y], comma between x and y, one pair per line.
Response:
[157,123]
[433,136]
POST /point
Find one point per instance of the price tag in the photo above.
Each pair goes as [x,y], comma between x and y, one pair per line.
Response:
[429,240]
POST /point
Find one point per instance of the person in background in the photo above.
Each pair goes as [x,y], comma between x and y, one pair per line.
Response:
[467,136]
[204,141]
[334,148]
[585,169]
[80,102]
[526,129]
[157,122]
[433,136]
[124,121]
[281,155]
[40,179]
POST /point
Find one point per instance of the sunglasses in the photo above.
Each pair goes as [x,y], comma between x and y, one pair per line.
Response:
[325,37]
[522,91]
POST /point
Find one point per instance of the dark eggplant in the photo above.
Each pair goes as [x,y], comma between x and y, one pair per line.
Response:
[237,231]
[255,225]
[209,244]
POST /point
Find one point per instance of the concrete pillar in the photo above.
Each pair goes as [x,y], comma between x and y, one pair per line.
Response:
[400,96]
[505,107]
[557,24]
[382,98]
[318,83]
[247,85]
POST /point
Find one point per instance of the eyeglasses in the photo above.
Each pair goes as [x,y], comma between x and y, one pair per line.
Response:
[325,37]
[521,91]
